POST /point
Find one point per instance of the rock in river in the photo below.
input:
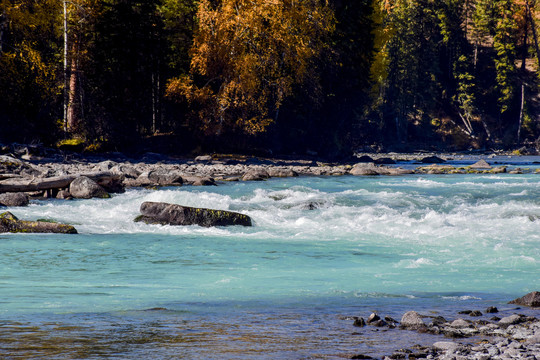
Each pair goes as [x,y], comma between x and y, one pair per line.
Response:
[86,188]
[411,320]
[13,199]
[532,299]
[10,223]
[172,214]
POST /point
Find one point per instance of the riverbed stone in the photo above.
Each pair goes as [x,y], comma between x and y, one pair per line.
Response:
[364,169]
[14,199]
[85,188]
[255,175]
[160,178]
[510,320]
[128,171]
[281,172]
[460,323]
[11,164]
[359,322]
[412,320]
[105,165]
[64,195]
[481,164]
[447,346]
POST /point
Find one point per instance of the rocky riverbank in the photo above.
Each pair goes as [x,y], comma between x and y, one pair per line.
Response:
[474,335]
[45,177]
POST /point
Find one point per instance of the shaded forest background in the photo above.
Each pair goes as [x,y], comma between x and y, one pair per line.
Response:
[270,76]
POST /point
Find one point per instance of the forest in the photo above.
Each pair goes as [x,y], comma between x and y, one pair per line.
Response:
[270,76]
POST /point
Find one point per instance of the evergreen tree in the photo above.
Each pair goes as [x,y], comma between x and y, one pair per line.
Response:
[504,43]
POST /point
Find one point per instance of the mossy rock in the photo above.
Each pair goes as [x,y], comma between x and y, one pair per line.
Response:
[10,223]
[172,214]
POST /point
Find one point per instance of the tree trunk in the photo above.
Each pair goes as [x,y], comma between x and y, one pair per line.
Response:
[521,113]
[3,21]
[58,182]
[154,103]
[66,75]
[525,37]
[73,98]
[533,27]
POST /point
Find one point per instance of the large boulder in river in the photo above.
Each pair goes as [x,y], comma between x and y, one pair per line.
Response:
[172,214]
[13,199]
[532,299]
[85,188]
[10,223]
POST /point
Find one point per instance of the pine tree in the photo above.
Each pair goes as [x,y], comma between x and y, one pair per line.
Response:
[504,43]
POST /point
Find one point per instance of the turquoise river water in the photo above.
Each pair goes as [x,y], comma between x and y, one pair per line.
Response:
[321,250]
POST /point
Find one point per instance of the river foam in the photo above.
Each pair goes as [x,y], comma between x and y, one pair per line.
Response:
[311,237]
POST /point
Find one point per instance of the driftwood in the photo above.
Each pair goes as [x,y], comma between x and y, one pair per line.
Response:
[9,176]
[105,178]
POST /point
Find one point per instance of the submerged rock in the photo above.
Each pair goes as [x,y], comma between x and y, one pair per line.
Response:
[10,223]
[359,322]
[172,214]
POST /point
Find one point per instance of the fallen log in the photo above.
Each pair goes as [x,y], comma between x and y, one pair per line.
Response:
[10,223]
[104,179]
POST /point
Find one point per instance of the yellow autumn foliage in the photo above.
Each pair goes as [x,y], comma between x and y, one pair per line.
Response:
[249,55]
